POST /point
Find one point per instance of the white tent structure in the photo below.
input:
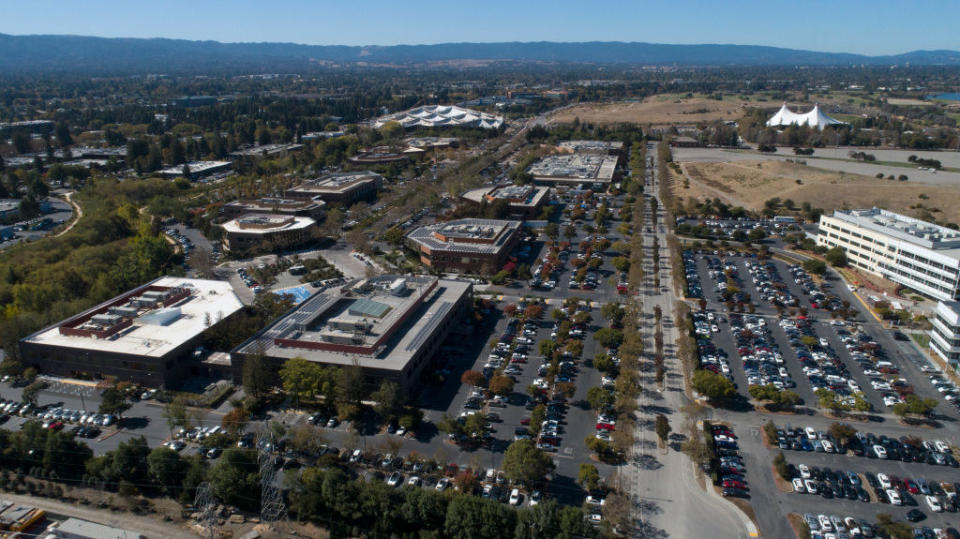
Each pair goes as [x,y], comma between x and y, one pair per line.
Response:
[438,116]
[814,118]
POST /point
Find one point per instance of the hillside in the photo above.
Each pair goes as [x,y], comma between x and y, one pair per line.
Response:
[61,53]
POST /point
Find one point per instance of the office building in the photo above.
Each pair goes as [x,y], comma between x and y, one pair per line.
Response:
[597,147]
[147,335]
[524,201]
[390,326]
[267,231]
[313,208]
[945,334]
[466,245]
[195,170]
[919,255]
[598,170]
[340,188]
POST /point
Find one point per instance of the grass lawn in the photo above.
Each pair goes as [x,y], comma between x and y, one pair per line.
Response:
[921,339]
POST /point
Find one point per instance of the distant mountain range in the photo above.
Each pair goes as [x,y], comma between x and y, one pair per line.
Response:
[61,53]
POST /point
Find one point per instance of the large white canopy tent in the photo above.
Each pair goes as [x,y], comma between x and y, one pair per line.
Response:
[438,116]
[814,118]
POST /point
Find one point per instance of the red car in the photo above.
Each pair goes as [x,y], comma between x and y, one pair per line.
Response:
[606,426]
[525,421]
[730,483]
[56,425]
[911,487]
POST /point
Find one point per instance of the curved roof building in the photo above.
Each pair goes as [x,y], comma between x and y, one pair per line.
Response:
[814,118]
[440,116]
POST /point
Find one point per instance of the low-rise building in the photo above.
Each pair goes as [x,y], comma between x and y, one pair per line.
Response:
[576,169]
[922,256]
[340,188]
[945,334]
[266,150]
[75,528]
[147,335]
[524,201]
[390,326]
[196,169]
[379,155]
[466,245]
[597,147]
[307,207]
[268,231]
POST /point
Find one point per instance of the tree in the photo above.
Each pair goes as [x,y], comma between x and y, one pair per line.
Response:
[599,398]
[305,438]
[235,421]
[301,378]
[588,477]
[836,257]
[31,392]
[780,464]
[814,266]
[472,378]
[526,464]
[842,432]
[113,402]
[390,400]
[391,130]
[662,427]
[914,405]
[613,312]
[609,337]
[537,416]
[175,412]
[715,387]
[235,478]
[350,385]
[501,385]
[258,377]
[472,517]
[895,530]
[828,399]
[475,426]
[166,468]
[63,135]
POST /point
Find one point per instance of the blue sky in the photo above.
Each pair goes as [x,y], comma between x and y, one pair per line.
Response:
[860,26]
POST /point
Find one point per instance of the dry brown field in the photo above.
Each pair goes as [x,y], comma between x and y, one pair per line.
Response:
[654,110]
[751,183]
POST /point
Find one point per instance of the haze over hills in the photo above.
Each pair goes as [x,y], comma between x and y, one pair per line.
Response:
[63,53]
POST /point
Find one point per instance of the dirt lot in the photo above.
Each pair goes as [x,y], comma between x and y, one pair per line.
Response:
[654,110]
[750,183]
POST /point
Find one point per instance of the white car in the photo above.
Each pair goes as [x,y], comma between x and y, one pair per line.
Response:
[894,497]
[394,479]
[934,504]
[515,497]
[884,480]
[414,481]
[798,485]
[442,484]
[941,446]
[825,524]
[811,486]
[827,446]
[804,471]
[880,451]
[811,433]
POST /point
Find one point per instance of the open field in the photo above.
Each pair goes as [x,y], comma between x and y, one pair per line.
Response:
[750,183]
[654,110]
[837,159]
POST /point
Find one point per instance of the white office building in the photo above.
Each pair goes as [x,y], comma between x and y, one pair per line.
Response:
[919,255]
[945,335]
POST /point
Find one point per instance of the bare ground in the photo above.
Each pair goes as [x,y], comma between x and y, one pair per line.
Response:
[653,110]
[751,183]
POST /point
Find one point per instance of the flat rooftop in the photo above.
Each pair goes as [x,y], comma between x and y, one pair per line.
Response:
[267,223]
[574,167]
[75,527]
[266,149]
[466,235]
[379,322]
[152,332]
[196,167]
[902,227]
[518,195]
[337,183]
[270,204]
[590,145]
